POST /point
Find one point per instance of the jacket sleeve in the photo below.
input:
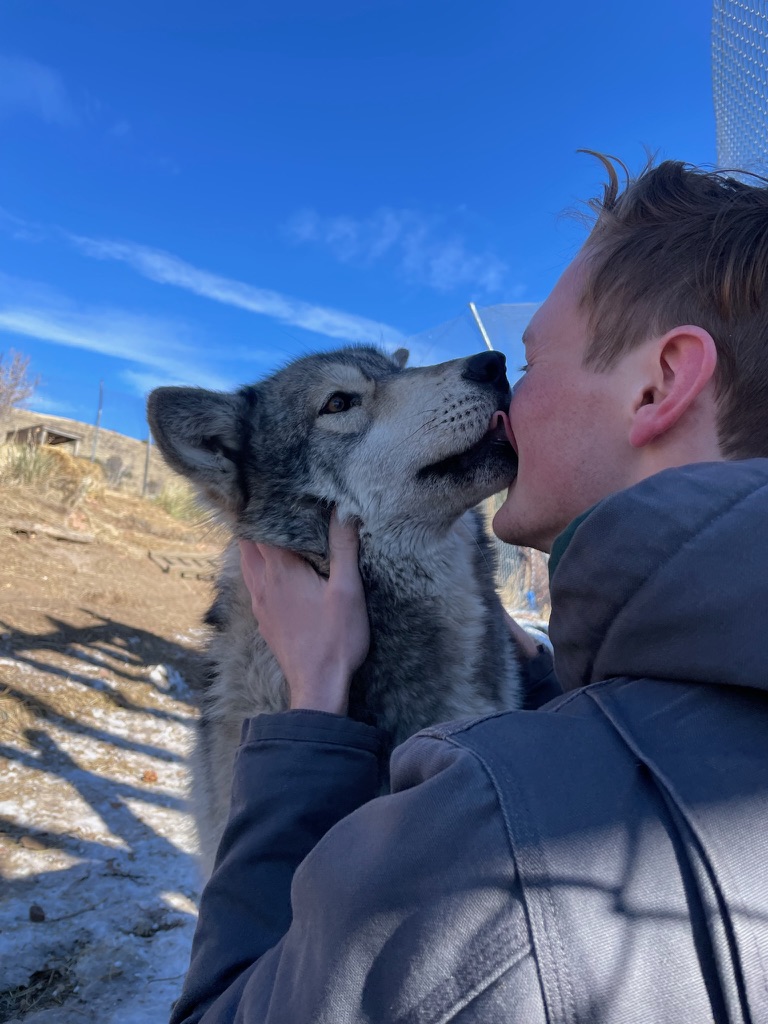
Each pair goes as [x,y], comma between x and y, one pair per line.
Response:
[296,774]
[408,910]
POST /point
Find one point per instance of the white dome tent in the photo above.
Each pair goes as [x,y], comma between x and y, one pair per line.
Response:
[522,574]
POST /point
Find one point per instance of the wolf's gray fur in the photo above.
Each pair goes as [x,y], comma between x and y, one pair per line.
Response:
[405,451]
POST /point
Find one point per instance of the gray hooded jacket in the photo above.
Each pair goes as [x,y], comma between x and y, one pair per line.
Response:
[601,859]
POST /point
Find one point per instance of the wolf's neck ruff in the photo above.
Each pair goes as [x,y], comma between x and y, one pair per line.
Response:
[441,647]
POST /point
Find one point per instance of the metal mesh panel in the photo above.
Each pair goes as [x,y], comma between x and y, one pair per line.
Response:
[522,575]
[740,83]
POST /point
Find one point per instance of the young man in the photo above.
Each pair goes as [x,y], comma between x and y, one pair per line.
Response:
[602,858]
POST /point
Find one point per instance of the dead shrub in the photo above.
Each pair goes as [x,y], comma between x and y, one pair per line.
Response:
[50,471]
[179,500]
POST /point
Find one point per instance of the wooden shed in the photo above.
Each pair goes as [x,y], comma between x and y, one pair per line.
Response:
[41,434]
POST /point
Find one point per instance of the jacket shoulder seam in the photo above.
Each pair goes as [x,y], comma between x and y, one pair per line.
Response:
[446,1014]
[550,966]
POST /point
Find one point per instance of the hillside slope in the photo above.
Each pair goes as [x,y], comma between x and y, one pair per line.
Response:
[97,664]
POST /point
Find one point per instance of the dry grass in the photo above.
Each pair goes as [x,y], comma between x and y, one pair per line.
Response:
[62,704]
[50,987]
[107,671]
[50,472]
[179,500]
[25,464]
[16,715]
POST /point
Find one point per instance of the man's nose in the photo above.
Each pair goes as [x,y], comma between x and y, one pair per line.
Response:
[486,368]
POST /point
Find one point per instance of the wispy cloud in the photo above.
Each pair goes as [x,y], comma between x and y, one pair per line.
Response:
[165,268]
[422,250]
[149,344]
[21,230]
[27,87]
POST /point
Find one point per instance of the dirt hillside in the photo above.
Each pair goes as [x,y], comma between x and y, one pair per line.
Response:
[97,666]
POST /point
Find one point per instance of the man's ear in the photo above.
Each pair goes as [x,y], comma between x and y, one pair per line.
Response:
[200,433]
[682,363]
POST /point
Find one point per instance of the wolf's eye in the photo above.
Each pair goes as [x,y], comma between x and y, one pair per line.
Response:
[339,401]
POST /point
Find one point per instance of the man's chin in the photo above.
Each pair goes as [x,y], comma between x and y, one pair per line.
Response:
[510,528]
[504,523]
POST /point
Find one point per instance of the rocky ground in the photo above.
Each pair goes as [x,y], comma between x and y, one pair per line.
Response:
[97,664]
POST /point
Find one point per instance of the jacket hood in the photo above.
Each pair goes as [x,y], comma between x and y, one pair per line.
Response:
[669,580]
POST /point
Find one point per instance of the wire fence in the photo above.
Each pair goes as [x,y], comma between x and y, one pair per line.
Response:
[740,83]
[522,574]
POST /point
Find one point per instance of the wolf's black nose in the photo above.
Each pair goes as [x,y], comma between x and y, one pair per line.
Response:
[486,368]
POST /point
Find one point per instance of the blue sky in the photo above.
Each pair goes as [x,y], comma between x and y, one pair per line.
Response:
[197,192]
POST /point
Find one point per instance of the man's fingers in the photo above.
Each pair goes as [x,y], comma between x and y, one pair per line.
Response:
[524,640]
[281,564]
[265,567]
[262,563]
[344,548]
[251,564]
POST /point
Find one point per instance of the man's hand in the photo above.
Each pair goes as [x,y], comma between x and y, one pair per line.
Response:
[524,641]
[317,629]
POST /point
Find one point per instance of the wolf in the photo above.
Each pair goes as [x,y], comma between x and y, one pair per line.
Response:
[406,451]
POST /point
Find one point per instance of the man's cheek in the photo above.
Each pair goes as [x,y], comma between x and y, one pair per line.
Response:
[520,410]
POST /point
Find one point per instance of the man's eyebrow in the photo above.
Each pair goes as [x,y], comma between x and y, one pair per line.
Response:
[527,337]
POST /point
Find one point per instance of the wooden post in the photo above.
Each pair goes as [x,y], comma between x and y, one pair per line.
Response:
[98,421]
[146,467]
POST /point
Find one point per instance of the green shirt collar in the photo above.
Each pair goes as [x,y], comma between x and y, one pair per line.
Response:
[563,539]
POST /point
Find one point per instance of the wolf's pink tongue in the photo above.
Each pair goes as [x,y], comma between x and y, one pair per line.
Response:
[501,418]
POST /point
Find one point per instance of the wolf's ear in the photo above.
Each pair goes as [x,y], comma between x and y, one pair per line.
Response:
[401,357]
[198,432]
